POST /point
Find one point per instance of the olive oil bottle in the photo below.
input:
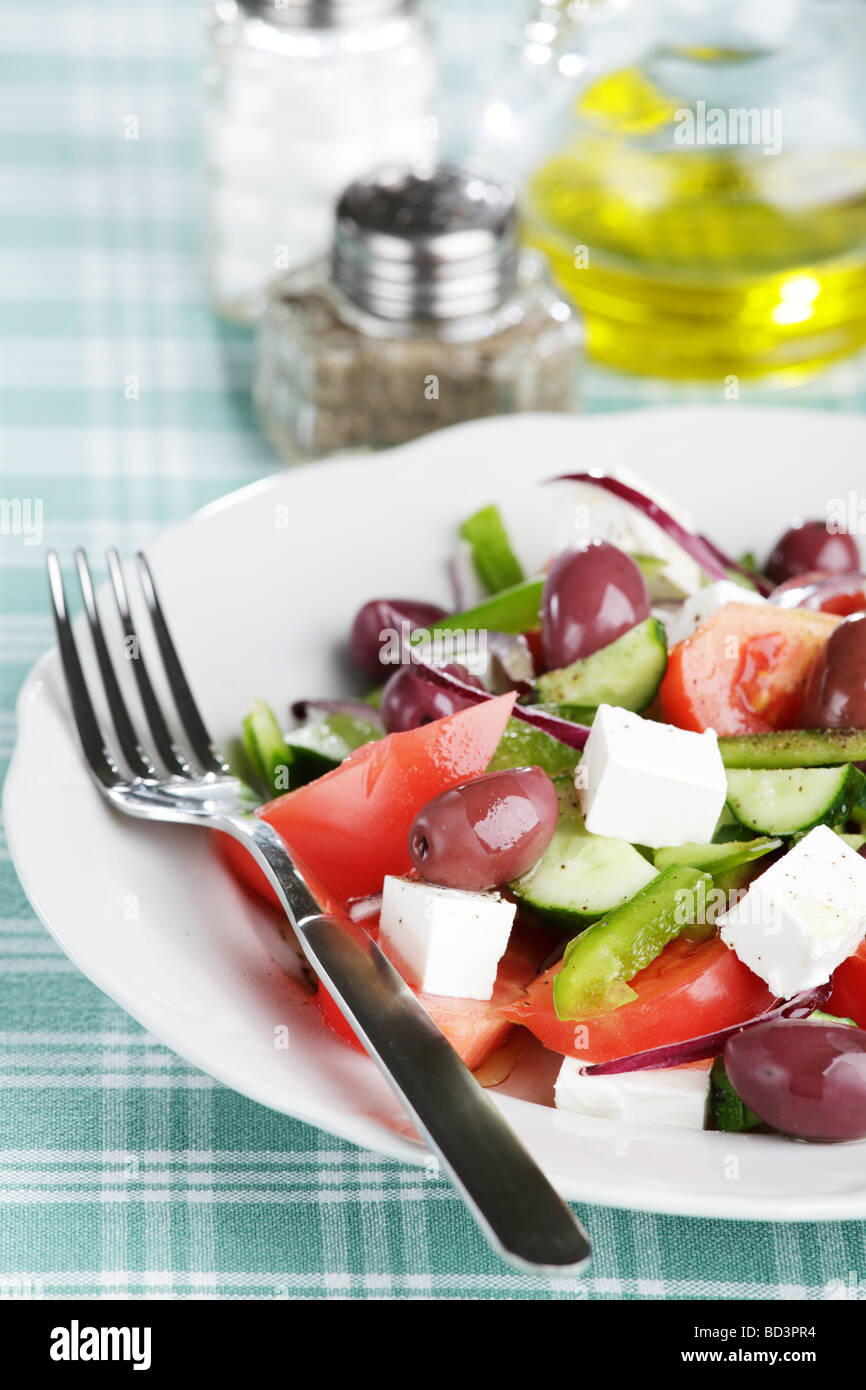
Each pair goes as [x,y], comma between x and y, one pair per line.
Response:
[704,237]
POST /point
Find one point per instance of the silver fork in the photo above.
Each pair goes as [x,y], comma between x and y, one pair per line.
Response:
[509,1196]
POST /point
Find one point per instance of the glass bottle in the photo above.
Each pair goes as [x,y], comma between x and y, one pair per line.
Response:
[426,314]
[303,96]
[704,199]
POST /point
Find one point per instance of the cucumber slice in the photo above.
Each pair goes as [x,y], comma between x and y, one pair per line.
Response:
[784,801]
[794,748]
[727,1111]
[580,876]
[716,858]
[523,746]
[320,746]
[495,562]
[625,673]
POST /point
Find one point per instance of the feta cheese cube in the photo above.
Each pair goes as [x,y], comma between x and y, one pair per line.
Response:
[676,1096]
[443,940]
[699,607]
[649,783]
[803,916]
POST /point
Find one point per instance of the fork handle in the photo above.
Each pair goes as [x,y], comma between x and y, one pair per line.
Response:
[522,1215]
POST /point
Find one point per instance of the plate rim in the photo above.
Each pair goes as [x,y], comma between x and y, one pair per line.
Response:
[355,1127]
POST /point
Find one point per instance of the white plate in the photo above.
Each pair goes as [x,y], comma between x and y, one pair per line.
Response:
[259,589]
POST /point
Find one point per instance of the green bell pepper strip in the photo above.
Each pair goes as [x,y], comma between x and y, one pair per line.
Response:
[794,748]
[267,750]
[598,964]
[716,858]
[512,610]
[495,562]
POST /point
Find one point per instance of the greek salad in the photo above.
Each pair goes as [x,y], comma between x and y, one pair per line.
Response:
[611,803]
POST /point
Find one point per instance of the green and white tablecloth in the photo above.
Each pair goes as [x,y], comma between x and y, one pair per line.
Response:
[124,1172]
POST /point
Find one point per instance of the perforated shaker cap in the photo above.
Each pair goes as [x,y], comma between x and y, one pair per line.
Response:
[426,241]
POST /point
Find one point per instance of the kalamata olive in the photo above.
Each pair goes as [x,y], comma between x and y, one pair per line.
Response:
[593,593]
[409,700]
[806,1079]
[835,695]
[808,545]
[486,832]
[384,616]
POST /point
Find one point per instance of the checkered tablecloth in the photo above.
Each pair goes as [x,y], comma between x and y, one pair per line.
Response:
[123,1171]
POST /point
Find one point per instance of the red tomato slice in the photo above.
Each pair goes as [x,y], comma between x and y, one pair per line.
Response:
[687,991]
[744,671]
[848,999]
[350,828]
[845,604]
[474,1027]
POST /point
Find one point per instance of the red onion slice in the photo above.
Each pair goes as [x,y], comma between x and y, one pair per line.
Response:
[692,544]
[572,735]
[358,709]
[710,1044]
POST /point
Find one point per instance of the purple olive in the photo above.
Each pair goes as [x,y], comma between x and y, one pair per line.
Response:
[409,700]
[486,832]
[835,696]
[592,595]
[380,617]
[808,545]
[806,1079]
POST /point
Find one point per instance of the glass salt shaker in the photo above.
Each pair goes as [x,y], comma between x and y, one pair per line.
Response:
[304,96]
[426,314]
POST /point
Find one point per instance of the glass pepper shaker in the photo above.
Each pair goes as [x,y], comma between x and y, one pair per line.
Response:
[304,96]
[426,314]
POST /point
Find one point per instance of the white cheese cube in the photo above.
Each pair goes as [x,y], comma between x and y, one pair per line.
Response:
[676,1096]
[803,916]
[649,783]
[443,940]
[701,606]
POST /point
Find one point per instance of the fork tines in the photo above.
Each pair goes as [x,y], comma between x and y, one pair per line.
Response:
[135,758]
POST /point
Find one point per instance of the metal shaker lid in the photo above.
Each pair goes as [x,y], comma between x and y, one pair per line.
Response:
[323,14]
[426,242]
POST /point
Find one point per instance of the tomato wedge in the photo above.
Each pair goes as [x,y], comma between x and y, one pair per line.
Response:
[688,990]
[744,671]
[848,999]
[350,828]
[474,1027]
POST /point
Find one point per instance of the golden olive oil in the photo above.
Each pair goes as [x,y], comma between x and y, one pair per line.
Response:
[692,260]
